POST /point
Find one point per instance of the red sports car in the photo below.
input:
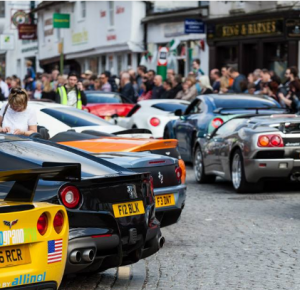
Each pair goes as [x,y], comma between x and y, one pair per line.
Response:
[105,105]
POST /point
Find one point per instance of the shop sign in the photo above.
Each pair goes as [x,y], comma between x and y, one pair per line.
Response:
[174,29]
[80,38]
[162,56]
[194,26]
[61,20]
[27,31]
[48,22]
[48,32]
[7,42]
[264,27]
[293,27]
[19,17]
[111,37]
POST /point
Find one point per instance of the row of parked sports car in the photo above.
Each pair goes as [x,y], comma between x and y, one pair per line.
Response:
[77,197]
[245,139]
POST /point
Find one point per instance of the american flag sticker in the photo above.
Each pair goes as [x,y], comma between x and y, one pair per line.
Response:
[55,251]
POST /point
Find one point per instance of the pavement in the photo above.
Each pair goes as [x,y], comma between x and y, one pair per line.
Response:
[224,241]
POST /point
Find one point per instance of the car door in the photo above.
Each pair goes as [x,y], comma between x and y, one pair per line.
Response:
[186,127]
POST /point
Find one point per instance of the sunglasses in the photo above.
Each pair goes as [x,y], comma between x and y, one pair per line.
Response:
[17,91]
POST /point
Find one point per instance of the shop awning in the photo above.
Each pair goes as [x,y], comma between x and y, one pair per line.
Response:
[129,46]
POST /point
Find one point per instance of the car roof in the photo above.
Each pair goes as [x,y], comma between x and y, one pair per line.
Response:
[235,96]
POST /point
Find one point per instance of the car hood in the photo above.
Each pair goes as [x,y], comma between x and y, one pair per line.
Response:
[137,159]
[116,144]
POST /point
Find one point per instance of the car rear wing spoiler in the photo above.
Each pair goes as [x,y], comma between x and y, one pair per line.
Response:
[257,109]
[133,131]
[26,180]
[280,125]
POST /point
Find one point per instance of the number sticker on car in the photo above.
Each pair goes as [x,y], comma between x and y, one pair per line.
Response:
[13,256]
[128,209]
[164,200]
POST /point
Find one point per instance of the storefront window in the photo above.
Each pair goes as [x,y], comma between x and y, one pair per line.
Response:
[227,56]
[93,65]
[275,57]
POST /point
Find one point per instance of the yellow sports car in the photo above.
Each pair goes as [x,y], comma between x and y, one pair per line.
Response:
[33,236]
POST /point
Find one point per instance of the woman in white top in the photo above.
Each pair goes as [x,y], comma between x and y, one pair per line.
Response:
[15,117]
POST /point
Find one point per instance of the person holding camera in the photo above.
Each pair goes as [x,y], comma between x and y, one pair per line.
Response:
[15,117]
[72,94]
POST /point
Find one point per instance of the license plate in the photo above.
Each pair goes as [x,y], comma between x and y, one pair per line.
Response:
[128,209]
[14,256]
[164,200]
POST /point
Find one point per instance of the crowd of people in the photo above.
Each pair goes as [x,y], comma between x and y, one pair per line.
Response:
[144,84]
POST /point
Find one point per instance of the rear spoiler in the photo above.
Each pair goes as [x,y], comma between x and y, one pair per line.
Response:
[26,180]
[219,110]
[133,131]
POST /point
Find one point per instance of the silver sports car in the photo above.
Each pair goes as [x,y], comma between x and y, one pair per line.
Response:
[248,150]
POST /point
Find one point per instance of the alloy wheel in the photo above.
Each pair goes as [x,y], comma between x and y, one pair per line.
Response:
[236,171]
[198,164]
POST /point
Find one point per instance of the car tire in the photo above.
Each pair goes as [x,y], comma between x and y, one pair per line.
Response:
[238,177]
[198,168]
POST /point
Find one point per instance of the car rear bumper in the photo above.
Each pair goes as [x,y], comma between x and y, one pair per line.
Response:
[169,215]
[256,169]
[37,286]
[106,249]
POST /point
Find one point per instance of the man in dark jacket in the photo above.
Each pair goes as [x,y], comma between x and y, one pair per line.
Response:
[176,86]
[238,79]
[158,88]
[127,88]
[72,93]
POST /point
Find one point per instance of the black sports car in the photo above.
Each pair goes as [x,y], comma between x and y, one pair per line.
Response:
[111,209]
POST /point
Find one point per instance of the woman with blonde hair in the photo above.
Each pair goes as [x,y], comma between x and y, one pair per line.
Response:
[189,90]
[205,85]
[48,93]
[16,117]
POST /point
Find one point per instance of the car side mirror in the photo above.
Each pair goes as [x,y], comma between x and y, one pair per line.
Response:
[178,113]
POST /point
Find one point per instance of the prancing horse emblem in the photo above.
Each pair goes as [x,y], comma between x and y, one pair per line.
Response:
[132,191]
[10,224]
[161,177]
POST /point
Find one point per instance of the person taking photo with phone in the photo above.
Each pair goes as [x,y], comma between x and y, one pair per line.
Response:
[16,117]
[72,94]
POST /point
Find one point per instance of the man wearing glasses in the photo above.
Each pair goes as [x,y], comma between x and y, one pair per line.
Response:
[105,85]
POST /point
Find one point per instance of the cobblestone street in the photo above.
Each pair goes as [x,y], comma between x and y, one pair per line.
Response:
[224,241]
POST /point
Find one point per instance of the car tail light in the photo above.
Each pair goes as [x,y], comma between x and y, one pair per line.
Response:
[42,224]
[178,172]
[154,122]
[58,222]
[70,196]
[270,141]
[217,122]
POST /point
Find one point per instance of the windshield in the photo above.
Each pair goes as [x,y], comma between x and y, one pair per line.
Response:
[73,117]
[244,102]
[39,153]
[170,107]
[96,98]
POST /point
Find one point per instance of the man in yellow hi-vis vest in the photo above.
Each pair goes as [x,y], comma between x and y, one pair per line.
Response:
[72,93]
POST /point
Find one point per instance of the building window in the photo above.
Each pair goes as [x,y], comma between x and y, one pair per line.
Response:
[2,9]
[111,10]
[83,9]
[119,64]
[129,60]
[103,63]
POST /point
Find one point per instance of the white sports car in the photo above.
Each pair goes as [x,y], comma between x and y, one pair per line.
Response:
[59,118]
[152,115]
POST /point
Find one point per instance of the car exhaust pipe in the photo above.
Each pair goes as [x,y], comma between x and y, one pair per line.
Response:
[295,176]
[88,255]
[161,242]
[75,257]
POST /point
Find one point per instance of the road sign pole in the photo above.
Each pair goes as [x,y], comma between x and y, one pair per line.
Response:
[62,57]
